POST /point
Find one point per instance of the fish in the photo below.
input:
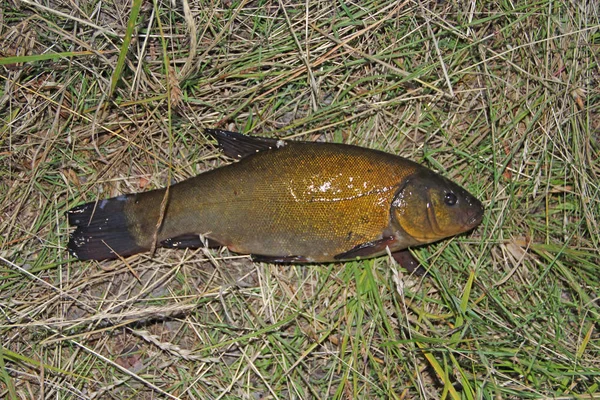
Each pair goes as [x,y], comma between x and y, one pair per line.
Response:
[284,201]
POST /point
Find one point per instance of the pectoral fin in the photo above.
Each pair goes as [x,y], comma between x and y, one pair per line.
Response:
[368,249]
[237,145]
[402,257]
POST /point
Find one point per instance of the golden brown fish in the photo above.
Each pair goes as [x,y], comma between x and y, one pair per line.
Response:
[284,201]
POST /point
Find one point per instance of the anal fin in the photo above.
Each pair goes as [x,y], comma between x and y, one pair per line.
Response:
[188,241]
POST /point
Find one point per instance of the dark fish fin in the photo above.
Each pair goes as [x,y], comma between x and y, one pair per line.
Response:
[280,259]
[188,241]
[409,262]
[368,249]
[237,145]
[101,230]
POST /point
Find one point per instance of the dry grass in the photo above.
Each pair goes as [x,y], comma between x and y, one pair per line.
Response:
[500,96]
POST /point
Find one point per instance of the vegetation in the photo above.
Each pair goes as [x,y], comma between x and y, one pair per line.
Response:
[100,98]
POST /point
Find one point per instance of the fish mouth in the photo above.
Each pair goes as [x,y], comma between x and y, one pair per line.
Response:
[475,216]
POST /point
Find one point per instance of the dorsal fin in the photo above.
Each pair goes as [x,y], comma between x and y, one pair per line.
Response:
[237,145]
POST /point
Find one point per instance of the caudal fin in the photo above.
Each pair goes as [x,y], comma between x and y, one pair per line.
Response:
[102,231]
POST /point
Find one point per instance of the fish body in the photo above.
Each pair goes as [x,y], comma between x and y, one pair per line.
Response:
[284,201]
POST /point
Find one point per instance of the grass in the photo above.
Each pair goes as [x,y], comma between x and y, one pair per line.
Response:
[501,97]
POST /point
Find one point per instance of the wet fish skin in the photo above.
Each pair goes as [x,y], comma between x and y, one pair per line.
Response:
[285,202]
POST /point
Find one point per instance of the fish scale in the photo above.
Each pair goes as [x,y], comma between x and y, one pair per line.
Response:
[285,201]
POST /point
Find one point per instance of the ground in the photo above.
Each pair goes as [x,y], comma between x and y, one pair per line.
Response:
[101,98]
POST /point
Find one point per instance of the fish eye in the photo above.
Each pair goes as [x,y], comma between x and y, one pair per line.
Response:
[450,199]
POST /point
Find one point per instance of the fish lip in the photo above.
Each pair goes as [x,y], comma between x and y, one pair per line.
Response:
[475,217]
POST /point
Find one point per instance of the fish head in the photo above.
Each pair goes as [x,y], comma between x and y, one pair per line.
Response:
[429,207]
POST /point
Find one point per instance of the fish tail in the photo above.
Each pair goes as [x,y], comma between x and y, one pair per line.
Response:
[101,230]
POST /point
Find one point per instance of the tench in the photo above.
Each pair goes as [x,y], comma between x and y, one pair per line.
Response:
[284,201]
